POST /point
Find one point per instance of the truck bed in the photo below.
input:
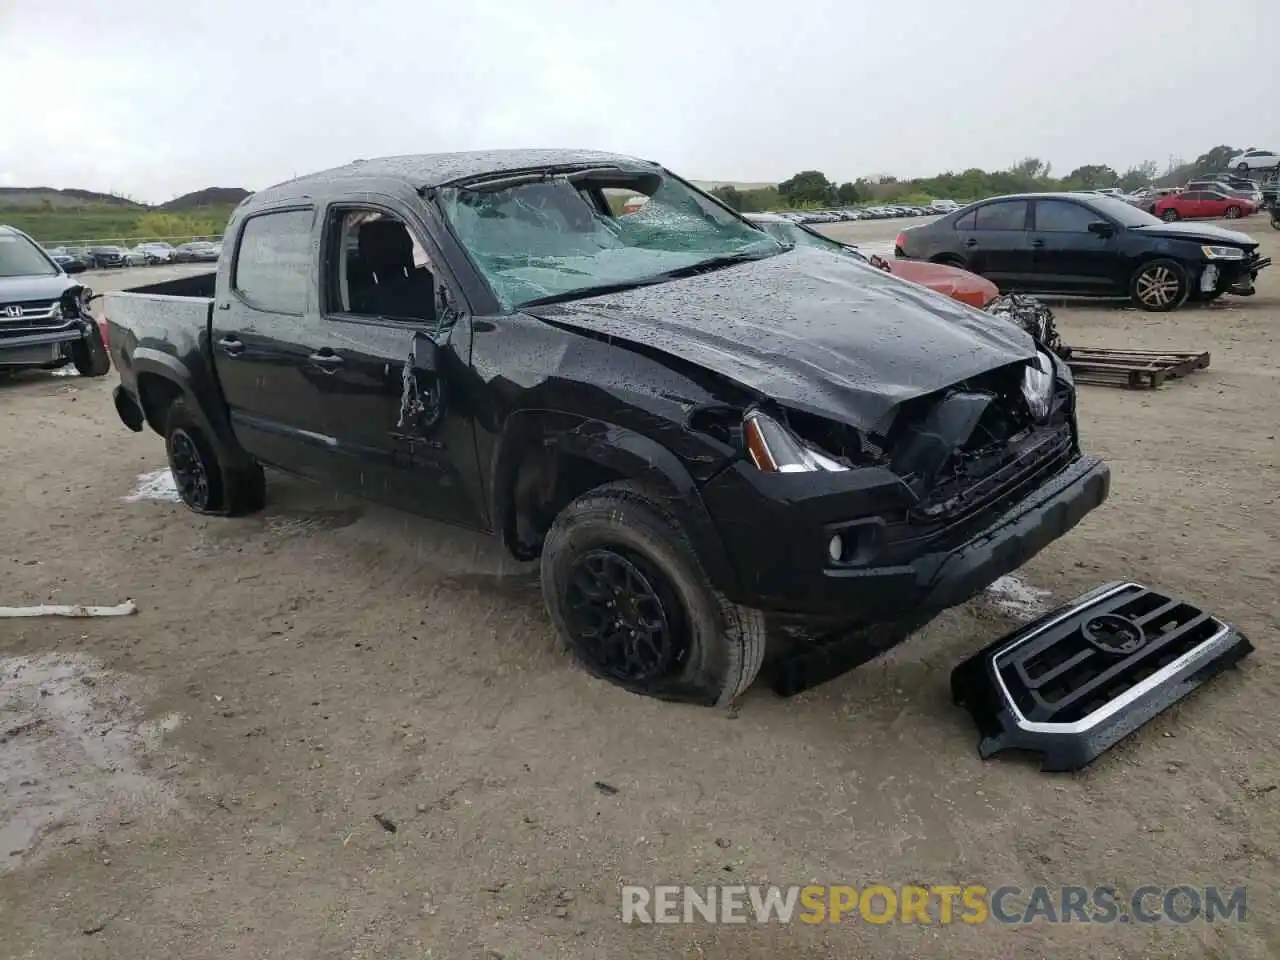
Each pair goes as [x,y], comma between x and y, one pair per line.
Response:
[161,324]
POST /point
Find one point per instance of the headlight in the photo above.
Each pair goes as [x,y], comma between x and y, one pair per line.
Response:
[1222,253]
[1037,385]
[775,449]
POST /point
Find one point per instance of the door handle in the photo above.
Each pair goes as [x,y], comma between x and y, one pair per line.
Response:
[971,242]
[328,362]
[1037,243]
[231,346]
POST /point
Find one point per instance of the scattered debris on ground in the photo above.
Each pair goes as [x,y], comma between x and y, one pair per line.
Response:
[70,610]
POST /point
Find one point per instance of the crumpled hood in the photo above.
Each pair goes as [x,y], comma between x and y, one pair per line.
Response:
[1181,230]
[816,331]
[18,289]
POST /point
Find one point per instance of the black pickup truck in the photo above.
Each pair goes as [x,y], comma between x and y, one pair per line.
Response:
[45,322]
[710,438]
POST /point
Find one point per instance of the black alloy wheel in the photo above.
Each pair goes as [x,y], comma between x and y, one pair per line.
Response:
[622,617]
[190,473]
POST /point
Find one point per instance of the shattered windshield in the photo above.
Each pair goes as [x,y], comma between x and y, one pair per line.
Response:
[562,236]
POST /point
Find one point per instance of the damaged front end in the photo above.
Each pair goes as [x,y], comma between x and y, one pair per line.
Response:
[919,513]
[1229,269]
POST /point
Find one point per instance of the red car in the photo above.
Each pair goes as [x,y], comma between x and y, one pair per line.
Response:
[1201,204]
[951,282]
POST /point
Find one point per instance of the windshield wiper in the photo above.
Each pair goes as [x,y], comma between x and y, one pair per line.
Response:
[704,266]
[584,293]
[716,263]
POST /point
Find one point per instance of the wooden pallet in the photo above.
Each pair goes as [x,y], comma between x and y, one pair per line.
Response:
[1135,369]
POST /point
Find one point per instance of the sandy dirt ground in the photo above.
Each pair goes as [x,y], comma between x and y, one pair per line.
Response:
[334,731]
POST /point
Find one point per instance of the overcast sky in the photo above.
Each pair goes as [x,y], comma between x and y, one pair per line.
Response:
[155,99]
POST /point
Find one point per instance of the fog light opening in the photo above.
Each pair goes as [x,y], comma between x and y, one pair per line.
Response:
[835,549]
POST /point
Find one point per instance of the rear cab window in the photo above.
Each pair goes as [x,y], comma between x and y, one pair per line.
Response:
[272,269]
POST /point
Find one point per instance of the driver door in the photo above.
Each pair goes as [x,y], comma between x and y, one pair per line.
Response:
[388,362]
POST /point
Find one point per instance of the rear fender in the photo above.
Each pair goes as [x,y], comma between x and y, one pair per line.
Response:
[617,451]
[202,400]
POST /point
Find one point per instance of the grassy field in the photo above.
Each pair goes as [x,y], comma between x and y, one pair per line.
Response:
[113,223]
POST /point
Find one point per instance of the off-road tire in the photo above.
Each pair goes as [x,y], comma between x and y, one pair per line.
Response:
[230,491]
[722,643]
[1149,274]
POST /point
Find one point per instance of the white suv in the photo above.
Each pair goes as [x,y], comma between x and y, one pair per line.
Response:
[1253,159]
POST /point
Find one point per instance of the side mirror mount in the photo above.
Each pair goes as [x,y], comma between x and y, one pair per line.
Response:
[1101,228]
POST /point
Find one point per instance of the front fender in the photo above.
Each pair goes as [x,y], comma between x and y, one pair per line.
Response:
[620,451]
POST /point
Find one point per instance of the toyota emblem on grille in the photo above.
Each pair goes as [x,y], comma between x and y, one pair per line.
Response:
[13,311]
[1114,634]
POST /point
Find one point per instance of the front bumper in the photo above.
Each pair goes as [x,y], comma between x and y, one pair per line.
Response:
[779,539]
[1232,276]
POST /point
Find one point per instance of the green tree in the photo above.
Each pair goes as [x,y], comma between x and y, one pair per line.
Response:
[1214,161]
[1143,175]
[848,193]
[1033,168]
[758,201]
[729,195]
[808,186]
[1093,175]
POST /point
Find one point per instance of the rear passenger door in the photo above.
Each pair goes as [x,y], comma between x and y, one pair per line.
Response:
[262,323]
[997,244]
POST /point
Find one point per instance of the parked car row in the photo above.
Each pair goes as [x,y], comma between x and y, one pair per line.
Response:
[879,212]
[108,256]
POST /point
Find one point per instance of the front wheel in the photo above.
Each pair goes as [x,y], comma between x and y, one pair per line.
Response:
[1275,221]
[1242,167]
[1159,285]
[1233,213]
[629,598]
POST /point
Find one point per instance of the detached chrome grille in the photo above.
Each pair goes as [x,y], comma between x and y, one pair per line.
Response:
[1077,670]
[1074,683]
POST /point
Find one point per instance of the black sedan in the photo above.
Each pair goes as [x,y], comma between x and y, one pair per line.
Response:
[197,251]
[106,256]
[1086,245]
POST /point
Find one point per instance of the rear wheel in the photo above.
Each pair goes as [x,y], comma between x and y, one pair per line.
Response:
[1233,213]
[1170,215]
[204,482]
[1159,285]
[629,598]
[949,260]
